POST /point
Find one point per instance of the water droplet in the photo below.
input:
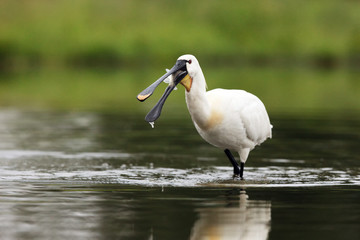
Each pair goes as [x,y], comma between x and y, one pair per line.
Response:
[152,124]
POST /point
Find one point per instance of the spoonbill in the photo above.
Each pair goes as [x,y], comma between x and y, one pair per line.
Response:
[228,119]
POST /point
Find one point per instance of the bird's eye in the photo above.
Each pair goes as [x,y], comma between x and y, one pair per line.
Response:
[189,61]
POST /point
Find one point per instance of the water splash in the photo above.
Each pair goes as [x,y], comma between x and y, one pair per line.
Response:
[103,167]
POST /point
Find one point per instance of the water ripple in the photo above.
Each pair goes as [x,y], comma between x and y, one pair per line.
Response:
[273,176]
[15,154]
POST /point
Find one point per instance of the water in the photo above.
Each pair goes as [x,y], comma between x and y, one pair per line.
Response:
[111,176]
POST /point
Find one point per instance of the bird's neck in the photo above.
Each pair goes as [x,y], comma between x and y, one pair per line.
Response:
[197,102]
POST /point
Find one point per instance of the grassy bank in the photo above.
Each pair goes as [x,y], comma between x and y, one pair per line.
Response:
[137,33]
[97,55]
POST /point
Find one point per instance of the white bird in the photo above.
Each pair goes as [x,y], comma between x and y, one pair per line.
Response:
[228,119]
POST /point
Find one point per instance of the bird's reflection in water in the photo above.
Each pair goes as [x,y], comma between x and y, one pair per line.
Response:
[239,218]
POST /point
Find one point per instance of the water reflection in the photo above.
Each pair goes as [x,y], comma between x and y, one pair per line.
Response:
[44,131]
[241,218]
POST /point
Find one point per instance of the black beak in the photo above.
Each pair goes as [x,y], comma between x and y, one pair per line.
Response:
[179,65]
[156,111]
[180,71]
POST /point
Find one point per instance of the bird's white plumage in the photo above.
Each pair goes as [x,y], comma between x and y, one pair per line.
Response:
[228,119]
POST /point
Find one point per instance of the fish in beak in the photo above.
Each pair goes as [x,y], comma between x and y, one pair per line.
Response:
[180,73]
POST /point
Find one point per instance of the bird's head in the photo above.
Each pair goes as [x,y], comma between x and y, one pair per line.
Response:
[183,72]
[192,69]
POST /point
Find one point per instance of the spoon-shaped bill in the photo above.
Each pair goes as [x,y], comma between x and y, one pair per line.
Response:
[179,65]
[156,111]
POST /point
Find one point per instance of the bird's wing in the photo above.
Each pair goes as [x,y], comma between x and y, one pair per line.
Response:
[249,110]
[256,120]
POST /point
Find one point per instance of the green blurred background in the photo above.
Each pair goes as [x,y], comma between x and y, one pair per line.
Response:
[297,56]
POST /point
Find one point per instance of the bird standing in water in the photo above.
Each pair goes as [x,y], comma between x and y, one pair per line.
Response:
[228,119]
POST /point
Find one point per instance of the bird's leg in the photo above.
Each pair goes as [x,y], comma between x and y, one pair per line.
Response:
[242,165]
[237,171]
